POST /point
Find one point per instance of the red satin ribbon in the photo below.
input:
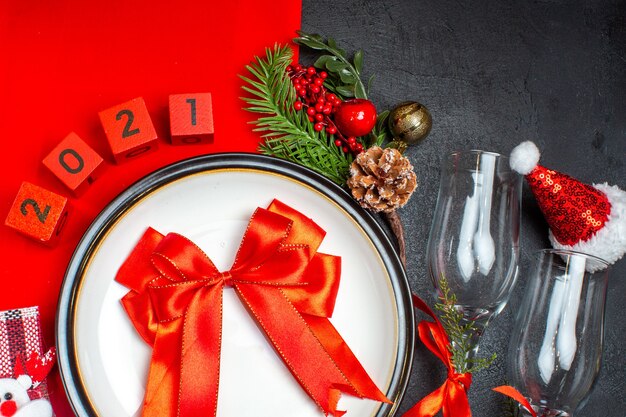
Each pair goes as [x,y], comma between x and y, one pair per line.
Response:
[517,396]
[451,397]
[175,303]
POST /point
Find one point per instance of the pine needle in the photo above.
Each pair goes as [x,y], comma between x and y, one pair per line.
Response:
[458,330]
[287,133]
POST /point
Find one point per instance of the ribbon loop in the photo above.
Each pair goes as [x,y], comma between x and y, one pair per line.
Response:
[175,303]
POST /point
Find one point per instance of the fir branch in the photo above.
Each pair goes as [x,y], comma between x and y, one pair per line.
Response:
[458,329]
[288,133]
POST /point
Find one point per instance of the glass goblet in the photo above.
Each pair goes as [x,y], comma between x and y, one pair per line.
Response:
[556,345]
[474,237]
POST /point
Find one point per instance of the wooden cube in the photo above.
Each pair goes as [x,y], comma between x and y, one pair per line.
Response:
[74,163]
[129,130]
[38,213]
[191,118]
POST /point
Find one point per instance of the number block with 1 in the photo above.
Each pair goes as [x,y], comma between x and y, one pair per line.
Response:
[191,118]
[129,130]
[38,213]
[74,163]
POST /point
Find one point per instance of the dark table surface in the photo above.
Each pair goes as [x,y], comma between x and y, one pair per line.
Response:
[493,74]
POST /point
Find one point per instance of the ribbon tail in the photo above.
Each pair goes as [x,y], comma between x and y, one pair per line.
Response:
[429,405]
[164,374]
[344,358]
[200,357]
[517,396]
[456,403]
[297,345]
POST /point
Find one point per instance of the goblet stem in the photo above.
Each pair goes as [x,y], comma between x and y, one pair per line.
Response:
[469,344]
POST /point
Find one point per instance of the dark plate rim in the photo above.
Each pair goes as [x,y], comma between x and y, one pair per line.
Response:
[75,390]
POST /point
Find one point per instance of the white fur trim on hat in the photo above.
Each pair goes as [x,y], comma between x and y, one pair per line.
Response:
[524,157]
[608,243]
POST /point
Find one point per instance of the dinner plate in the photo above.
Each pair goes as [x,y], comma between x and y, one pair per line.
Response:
[210,199]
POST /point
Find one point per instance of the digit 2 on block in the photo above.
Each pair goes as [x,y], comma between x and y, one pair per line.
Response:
[129,130]
[38,213]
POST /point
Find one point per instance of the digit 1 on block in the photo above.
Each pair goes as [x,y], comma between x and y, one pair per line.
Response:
[38,213]
[74,163]
[129,130]
[191,118]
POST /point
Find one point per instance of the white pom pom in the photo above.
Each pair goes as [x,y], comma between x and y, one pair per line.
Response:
[25,381]
[524,158]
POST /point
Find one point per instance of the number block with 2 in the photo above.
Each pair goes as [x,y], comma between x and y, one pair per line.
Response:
[74,163]
[191,118]
[38,213]
[129,130]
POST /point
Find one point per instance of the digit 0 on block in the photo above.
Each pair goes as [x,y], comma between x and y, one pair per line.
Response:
[38,213]
[129,130]
[191,118]
[74,163]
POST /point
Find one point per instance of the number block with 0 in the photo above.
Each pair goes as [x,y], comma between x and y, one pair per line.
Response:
[75,163]
[129,130]
[38,213]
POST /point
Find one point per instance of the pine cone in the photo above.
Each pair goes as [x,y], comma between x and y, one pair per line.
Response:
[382,179]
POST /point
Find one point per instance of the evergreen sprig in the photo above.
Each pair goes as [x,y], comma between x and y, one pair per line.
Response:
[344,76]
[458,330]
[288,133]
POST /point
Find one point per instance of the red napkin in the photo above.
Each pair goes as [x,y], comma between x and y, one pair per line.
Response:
[62,62]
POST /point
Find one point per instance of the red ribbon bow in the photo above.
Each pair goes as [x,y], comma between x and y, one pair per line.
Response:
[289,288]
[451,397]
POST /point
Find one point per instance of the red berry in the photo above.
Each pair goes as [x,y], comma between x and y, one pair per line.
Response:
[318,81]
[297,105]
[319,117]
[331,97]
[351,140]
[337,143]
[345,149]
[311,70]
[289,68]
[318,127]
[359,147]
[302,92]
[336,102]
[355,117]
[298,68]
[332,130]
[323,75]
[319,107]
[321,100]
[315,89]
[310,111]
[327,110]
[311,119]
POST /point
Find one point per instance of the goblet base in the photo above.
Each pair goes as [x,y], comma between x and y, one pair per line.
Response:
[545,412]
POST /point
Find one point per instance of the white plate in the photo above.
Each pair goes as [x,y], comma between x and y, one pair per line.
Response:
[210,199]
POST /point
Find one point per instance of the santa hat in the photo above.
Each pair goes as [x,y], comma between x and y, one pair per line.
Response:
[582,218]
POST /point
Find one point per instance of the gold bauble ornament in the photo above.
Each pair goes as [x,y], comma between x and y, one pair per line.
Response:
[410,122]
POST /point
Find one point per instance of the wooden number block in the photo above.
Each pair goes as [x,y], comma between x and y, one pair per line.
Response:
[38,213]
[74,163]
[129,130]
[191,118]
